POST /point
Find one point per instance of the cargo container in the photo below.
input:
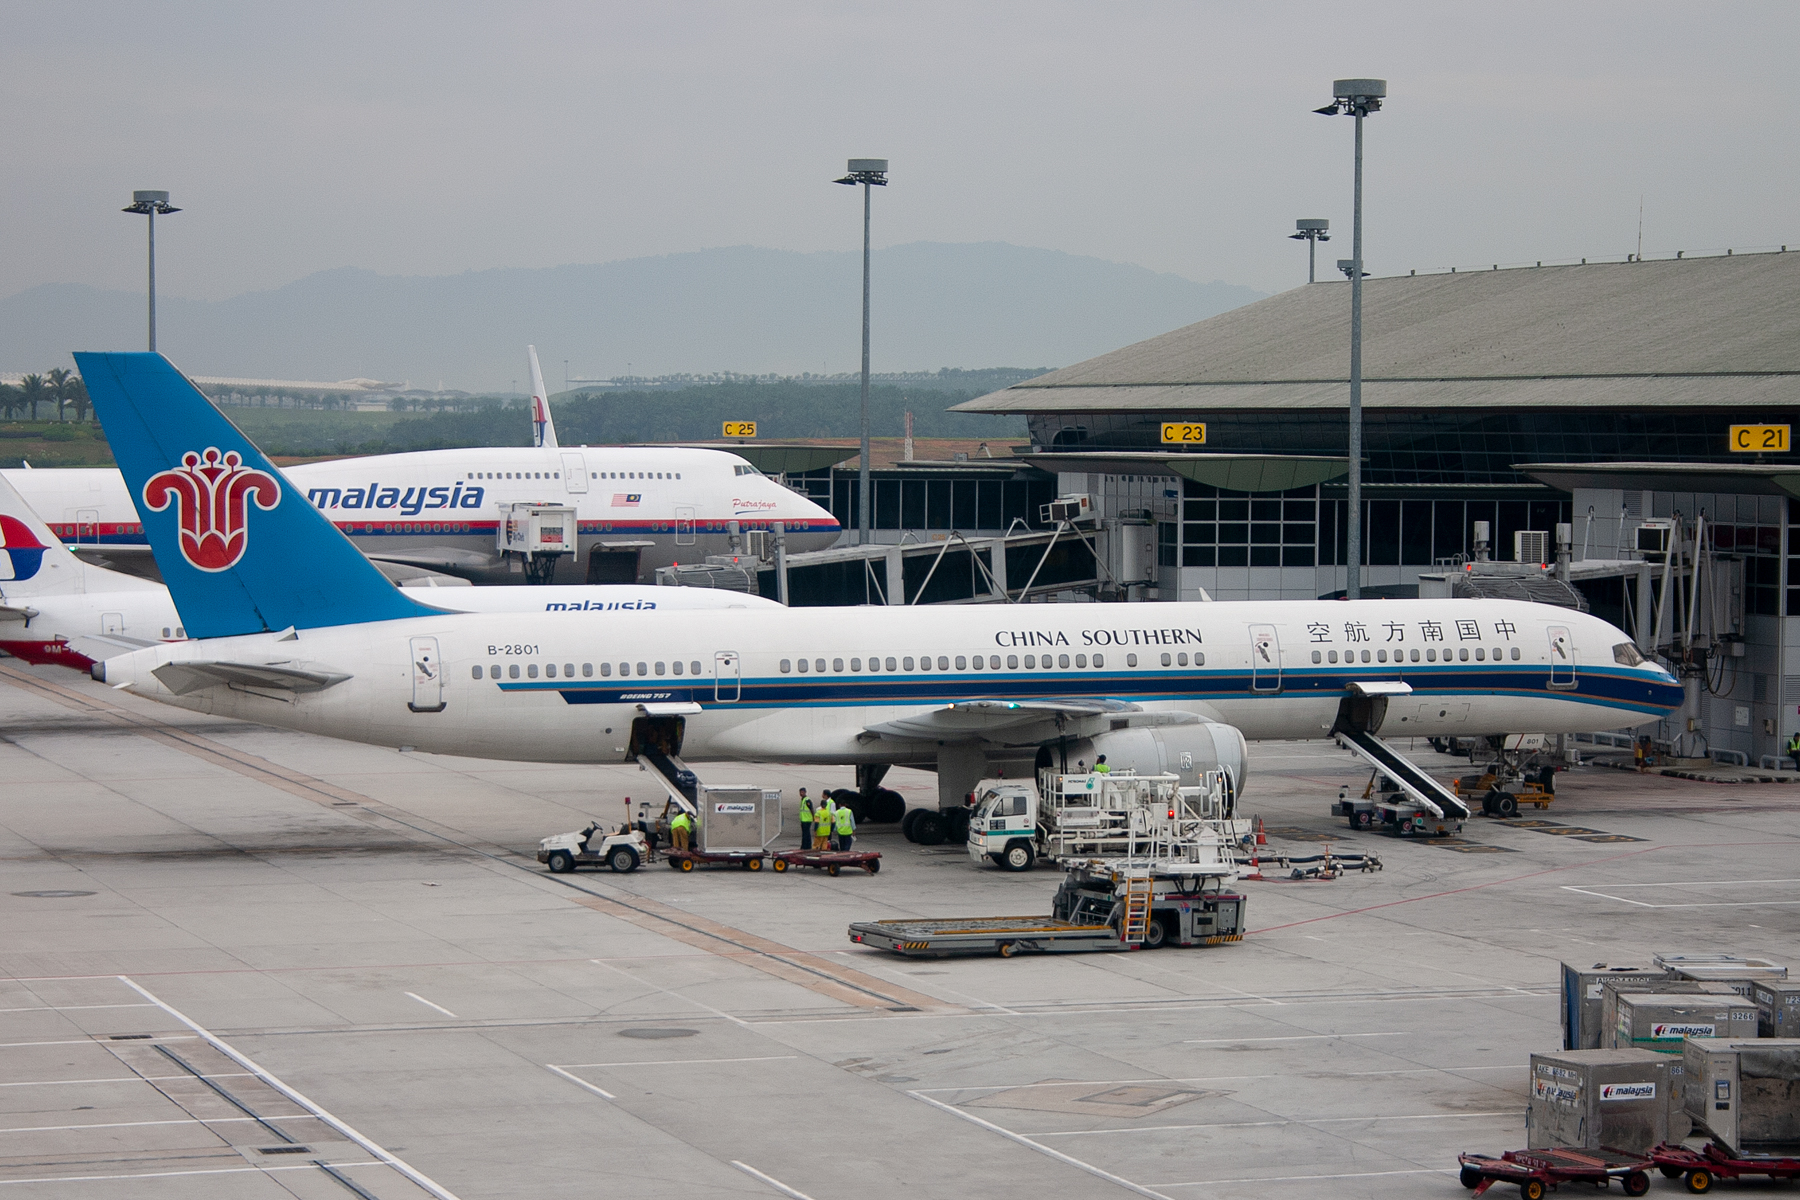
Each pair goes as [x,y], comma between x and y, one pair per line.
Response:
[1746,1093]
[1777,1008]
[1598,1099]
[737,818]
[1609,997]
[1660,1021]
[1740,973]
[1582,1026]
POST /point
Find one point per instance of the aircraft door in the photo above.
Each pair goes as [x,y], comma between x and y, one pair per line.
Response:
[684,525]
[427,676]
[112,623]
[87,526]
[1562,657]
[574,473]
[1265,659]
[728,680]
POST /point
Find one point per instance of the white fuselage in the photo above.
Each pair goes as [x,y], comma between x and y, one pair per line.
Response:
[555,687]
[437,508]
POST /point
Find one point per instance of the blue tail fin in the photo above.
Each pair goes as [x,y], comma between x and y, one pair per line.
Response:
[241,550]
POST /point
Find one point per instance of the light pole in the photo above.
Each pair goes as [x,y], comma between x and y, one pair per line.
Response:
[871,173]
[149,204]
[1312,232]
[1357,98]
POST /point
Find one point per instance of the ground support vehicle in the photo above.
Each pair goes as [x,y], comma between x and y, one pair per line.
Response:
[1100,815]
[828,861]
[592,847]
[1539,1171]
[687,860]
[1700,1169]
[1490,791]
[1099,907]
[1385,808]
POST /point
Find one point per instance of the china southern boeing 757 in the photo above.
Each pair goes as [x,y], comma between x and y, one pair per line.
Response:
[297,629]
[638,507]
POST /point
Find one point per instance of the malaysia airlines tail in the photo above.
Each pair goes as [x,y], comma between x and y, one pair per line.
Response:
[241,550]
[34,561]
[543,428]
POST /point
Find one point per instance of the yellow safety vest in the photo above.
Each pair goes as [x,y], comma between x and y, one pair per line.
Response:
[846,820]
[806,810]
[681,821]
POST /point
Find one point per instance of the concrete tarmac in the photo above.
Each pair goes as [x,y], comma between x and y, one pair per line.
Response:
[238,962]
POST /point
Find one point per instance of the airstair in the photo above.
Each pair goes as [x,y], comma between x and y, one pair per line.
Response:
[677,779]
[1427,792]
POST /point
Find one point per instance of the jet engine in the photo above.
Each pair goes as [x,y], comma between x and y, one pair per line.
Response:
[1189,751]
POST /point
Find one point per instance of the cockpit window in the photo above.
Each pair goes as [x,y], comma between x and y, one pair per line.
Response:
[1626,655]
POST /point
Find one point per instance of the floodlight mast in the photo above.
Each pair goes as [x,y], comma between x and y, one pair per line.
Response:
[149,204]
[871,173]
[1312,232]
[1357,98]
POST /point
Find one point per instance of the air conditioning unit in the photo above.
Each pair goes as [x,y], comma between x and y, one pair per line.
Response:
[1531,546]
[1066,508]
[1653,538]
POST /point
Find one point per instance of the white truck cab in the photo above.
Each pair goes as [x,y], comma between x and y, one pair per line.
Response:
[1121,814]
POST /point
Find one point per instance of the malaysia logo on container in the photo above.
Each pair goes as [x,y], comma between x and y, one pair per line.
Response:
[212,494]
[1628,1091]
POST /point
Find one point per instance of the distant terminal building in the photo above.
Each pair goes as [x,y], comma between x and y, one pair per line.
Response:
[1598,397]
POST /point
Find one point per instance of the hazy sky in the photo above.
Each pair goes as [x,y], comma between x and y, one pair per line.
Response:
[437,138]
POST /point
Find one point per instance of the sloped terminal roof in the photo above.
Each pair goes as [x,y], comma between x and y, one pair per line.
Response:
[1720,331]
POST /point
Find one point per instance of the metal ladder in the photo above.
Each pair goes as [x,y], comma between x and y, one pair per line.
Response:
[1138,890]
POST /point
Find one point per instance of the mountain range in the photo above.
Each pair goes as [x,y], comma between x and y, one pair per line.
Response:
[738,308]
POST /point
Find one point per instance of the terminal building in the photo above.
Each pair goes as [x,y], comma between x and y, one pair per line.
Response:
[1501,408]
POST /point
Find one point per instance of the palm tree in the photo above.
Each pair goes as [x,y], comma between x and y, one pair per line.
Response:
[78,397]
[34,391]
[9,399]
[58,379]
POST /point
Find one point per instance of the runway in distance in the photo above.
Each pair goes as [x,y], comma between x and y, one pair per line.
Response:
[56,609]
[638,508]
[302,633]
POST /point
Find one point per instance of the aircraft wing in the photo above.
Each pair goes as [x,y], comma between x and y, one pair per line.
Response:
[184,677]
[1022,722]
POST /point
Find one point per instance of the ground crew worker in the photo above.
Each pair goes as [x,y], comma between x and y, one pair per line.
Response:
[806,820]
[1794,749]
[678,829]
[845,821]
[824,814]
[1100,767]
[1642,746]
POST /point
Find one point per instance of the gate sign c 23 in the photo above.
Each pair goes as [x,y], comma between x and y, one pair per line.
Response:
[1628,1091]
[734,808]
[1673,1031]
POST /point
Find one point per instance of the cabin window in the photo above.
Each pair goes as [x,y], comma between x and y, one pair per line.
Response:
[786,666]
[512,671]
[1131,660]
[1462,655]
[1031,662]
[1317,657]
[494,671]
[1081,660]
[961,663]
[819,665]
[837,666]
[531,671]
[1515,654]
[165,631]
[643,669]
[805,666]
[1480,654]
[1431,655]
[943,663]
[1167,659]
[678,666]
[475,673]
[1381,656]
[1181,659]
[907,663]
[1415,656]
[1099,660]
[891,666]
[1331,655]
[693,668]
[550,670]
[1200,659]
[856,664]
[659,668]
[1012,662]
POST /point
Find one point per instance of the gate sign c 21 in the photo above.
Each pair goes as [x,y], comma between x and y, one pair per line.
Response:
[734,808]
[1628,1091]
[1673,1030]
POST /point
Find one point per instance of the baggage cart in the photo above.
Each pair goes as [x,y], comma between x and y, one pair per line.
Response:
[1539,1171]
[828,861]
[1700,1169]
[687,860]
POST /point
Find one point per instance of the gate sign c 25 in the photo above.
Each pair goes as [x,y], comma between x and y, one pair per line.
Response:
[740,429]
[1759,439]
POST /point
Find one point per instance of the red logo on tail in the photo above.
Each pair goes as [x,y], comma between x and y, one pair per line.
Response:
[212,493]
